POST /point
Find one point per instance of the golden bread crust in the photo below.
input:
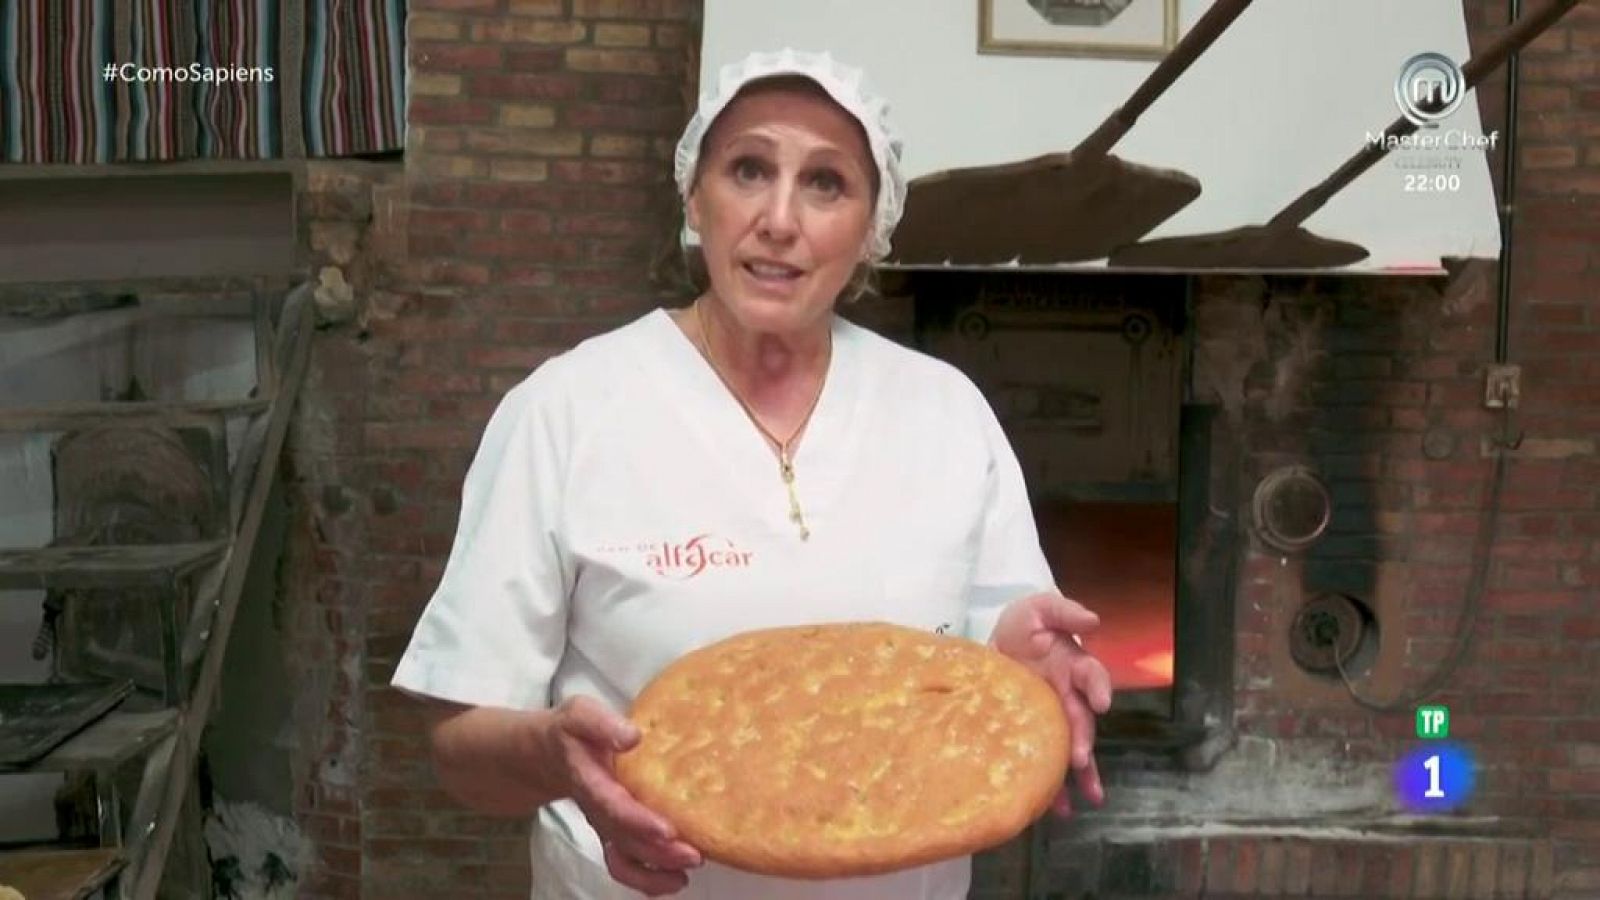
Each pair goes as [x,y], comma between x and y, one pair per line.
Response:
[839,750]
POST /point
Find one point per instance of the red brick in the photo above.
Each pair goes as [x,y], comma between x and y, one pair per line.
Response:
[522,248]
[529,31]
[1527,575]
[609,199]
[1558,314]
[1530,602]
[443,56]
[540,196]
[1581,628]
[607,281]
[609,172]
[608,226]
[1529,550]
[434,382]
[1298,875]
[1511,876]
[1576,782]
[525,141]
[525,222]
[1273,859]
[417,436]
[622,35]
[322,882]
[423,220]
[1219,862]
[452,111]
[420,848]
[448,272]
[465,6]
[534,59]
[537,7]
[436,140]
[600,117]
[671,36]
[1397,875]
[1246,867]
[1455,393]
[630,62]
[1561,182]
[1344,870]
[628,90]
[331,830]
[339,859]
[1545,98]
[1518,651]
[618,250]
[540,275]
[632,9]
[492,356]
[522,88]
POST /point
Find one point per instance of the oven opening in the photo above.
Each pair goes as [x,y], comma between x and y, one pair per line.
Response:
[1088,376]
[1118,559]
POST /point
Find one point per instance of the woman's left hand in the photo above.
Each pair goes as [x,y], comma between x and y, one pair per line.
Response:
[1039,631]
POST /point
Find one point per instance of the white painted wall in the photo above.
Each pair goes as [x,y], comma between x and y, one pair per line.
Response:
[76,360]
[1280,101]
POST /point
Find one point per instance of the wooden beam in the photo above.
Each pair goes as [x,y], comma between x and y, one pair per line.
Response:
[297,316]
[44,568]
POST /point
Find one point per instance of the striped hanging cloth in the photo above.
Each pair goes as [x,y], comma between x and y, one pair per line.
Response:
[238,118]
[55,106]
[58,105]
[158,111]
[354,81]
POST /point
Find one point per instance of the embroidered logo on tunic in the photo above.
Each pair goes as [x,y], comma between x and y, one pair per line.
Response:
[694,556]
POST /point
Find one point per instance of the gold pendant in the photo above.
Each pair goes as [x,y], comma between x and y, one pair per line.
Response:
[786,470]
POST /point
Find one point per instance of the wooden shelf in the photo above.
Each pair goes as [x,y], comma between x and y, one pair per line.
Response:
[59,874]
[109,742]
[133,169]
[76,416]
[43,568]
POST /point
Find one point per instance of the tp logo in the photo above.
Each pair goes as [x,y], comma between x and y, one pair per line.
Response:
[1430,88]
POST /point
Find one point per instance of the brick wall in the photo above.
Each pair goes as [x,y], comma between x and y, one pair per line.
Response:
[534,203]
[534,207]
[1392,413]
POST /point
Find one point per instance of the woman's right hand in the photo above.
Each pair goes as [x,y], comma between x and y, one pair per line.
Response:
[642,849]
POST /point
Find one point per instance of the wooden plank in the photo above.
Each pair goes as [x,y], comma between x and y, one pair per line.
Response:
[44,568]
[77,416]
[297,321]
[160,226]
[59,874]
[144,817]
[36,719]
[110,742]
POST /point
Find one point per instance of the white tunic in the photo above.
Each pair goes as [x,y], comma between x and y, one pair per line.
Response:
[622,510]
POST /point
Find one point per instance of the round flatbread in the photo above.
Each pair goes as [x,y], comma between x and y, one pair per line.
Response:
[838,750]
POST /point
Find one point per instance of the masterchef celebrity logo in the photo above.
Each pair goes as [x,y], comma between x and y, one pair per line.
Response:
[690,558]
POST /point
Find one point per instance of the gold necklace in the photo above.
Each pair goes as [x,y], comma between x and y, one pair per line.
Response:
[785,461]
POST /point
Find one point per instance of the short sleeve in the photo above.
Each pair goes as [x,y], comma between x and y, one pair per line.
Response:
[495,628]
[1010,561]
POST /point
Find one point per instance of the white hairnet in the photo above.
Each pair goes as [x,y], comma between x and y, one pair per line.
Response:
[846,85]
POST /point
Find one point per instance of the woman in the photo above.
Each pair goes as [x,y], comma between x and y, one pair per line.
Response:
[750,461]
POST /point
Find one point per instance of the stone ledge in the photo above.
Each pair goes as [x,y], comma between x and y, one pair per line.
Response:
[1218,861]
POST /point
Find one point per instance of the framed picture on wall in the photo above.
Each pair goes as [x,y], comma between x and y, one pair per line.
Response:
[1113,29]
